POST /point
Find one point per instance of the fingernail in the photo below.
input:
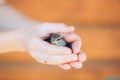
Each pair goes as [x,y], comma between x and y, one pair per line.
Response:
[66,67]
[72,27]
[68,52]
[82,57]
[74,57]
[77,65]
[77,50]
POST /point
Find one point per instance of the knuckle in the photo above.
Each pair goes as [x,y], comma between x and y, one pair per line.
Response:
[54,60]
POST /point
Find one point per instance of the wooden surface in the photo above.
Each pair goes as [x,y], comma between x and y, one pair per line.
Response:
[97,22]
[71,11]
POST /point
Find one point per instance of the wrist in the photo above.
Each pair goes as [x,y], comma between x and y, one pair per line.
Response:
[10,42]
[18,44]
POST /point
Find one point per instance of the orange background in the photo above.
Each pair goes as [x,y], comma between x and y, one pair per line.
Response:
[97,22]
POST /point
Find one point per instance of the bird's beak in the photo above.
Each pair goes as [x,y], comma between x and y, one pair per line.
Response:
[54,43]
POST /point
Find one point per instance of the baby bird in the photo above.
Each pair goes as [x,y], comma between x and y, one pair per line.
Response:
[57,39]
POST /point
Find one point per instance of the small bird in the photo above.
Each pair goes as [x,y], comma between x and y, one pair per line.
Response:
[58,40]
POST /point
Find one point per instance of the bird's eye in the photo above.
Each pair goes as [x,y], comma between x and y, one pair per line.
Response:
[58,39]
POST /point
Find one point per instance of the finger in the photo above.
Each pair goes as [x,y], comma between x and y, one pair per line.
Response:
[40,45]
[75,40]
[76,46]
[76,65]
[60,59]
[55,28]
[52,59]
[65,66]
[82,57]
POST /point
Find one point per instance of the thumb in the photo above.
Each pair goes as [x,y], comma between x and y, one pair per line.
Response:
[55,28]
[40,45]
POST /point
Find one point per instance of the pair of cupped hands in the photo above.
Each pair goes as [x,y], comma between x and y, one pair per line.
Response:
[46,53]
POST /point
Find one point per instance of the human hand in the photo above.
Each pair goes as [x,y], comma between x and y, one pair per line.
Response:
[58,40]
[32,40]
[75,40]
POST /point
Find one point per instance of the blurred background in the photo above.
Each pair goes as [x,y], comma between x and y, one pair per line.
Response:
[97,22]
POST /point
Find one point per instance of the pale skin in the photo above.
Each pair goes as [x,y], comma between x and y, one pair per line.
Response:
[28,36]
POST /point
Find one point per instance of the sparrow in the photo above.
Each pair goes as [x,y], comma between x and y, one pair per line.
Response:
[58,40]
